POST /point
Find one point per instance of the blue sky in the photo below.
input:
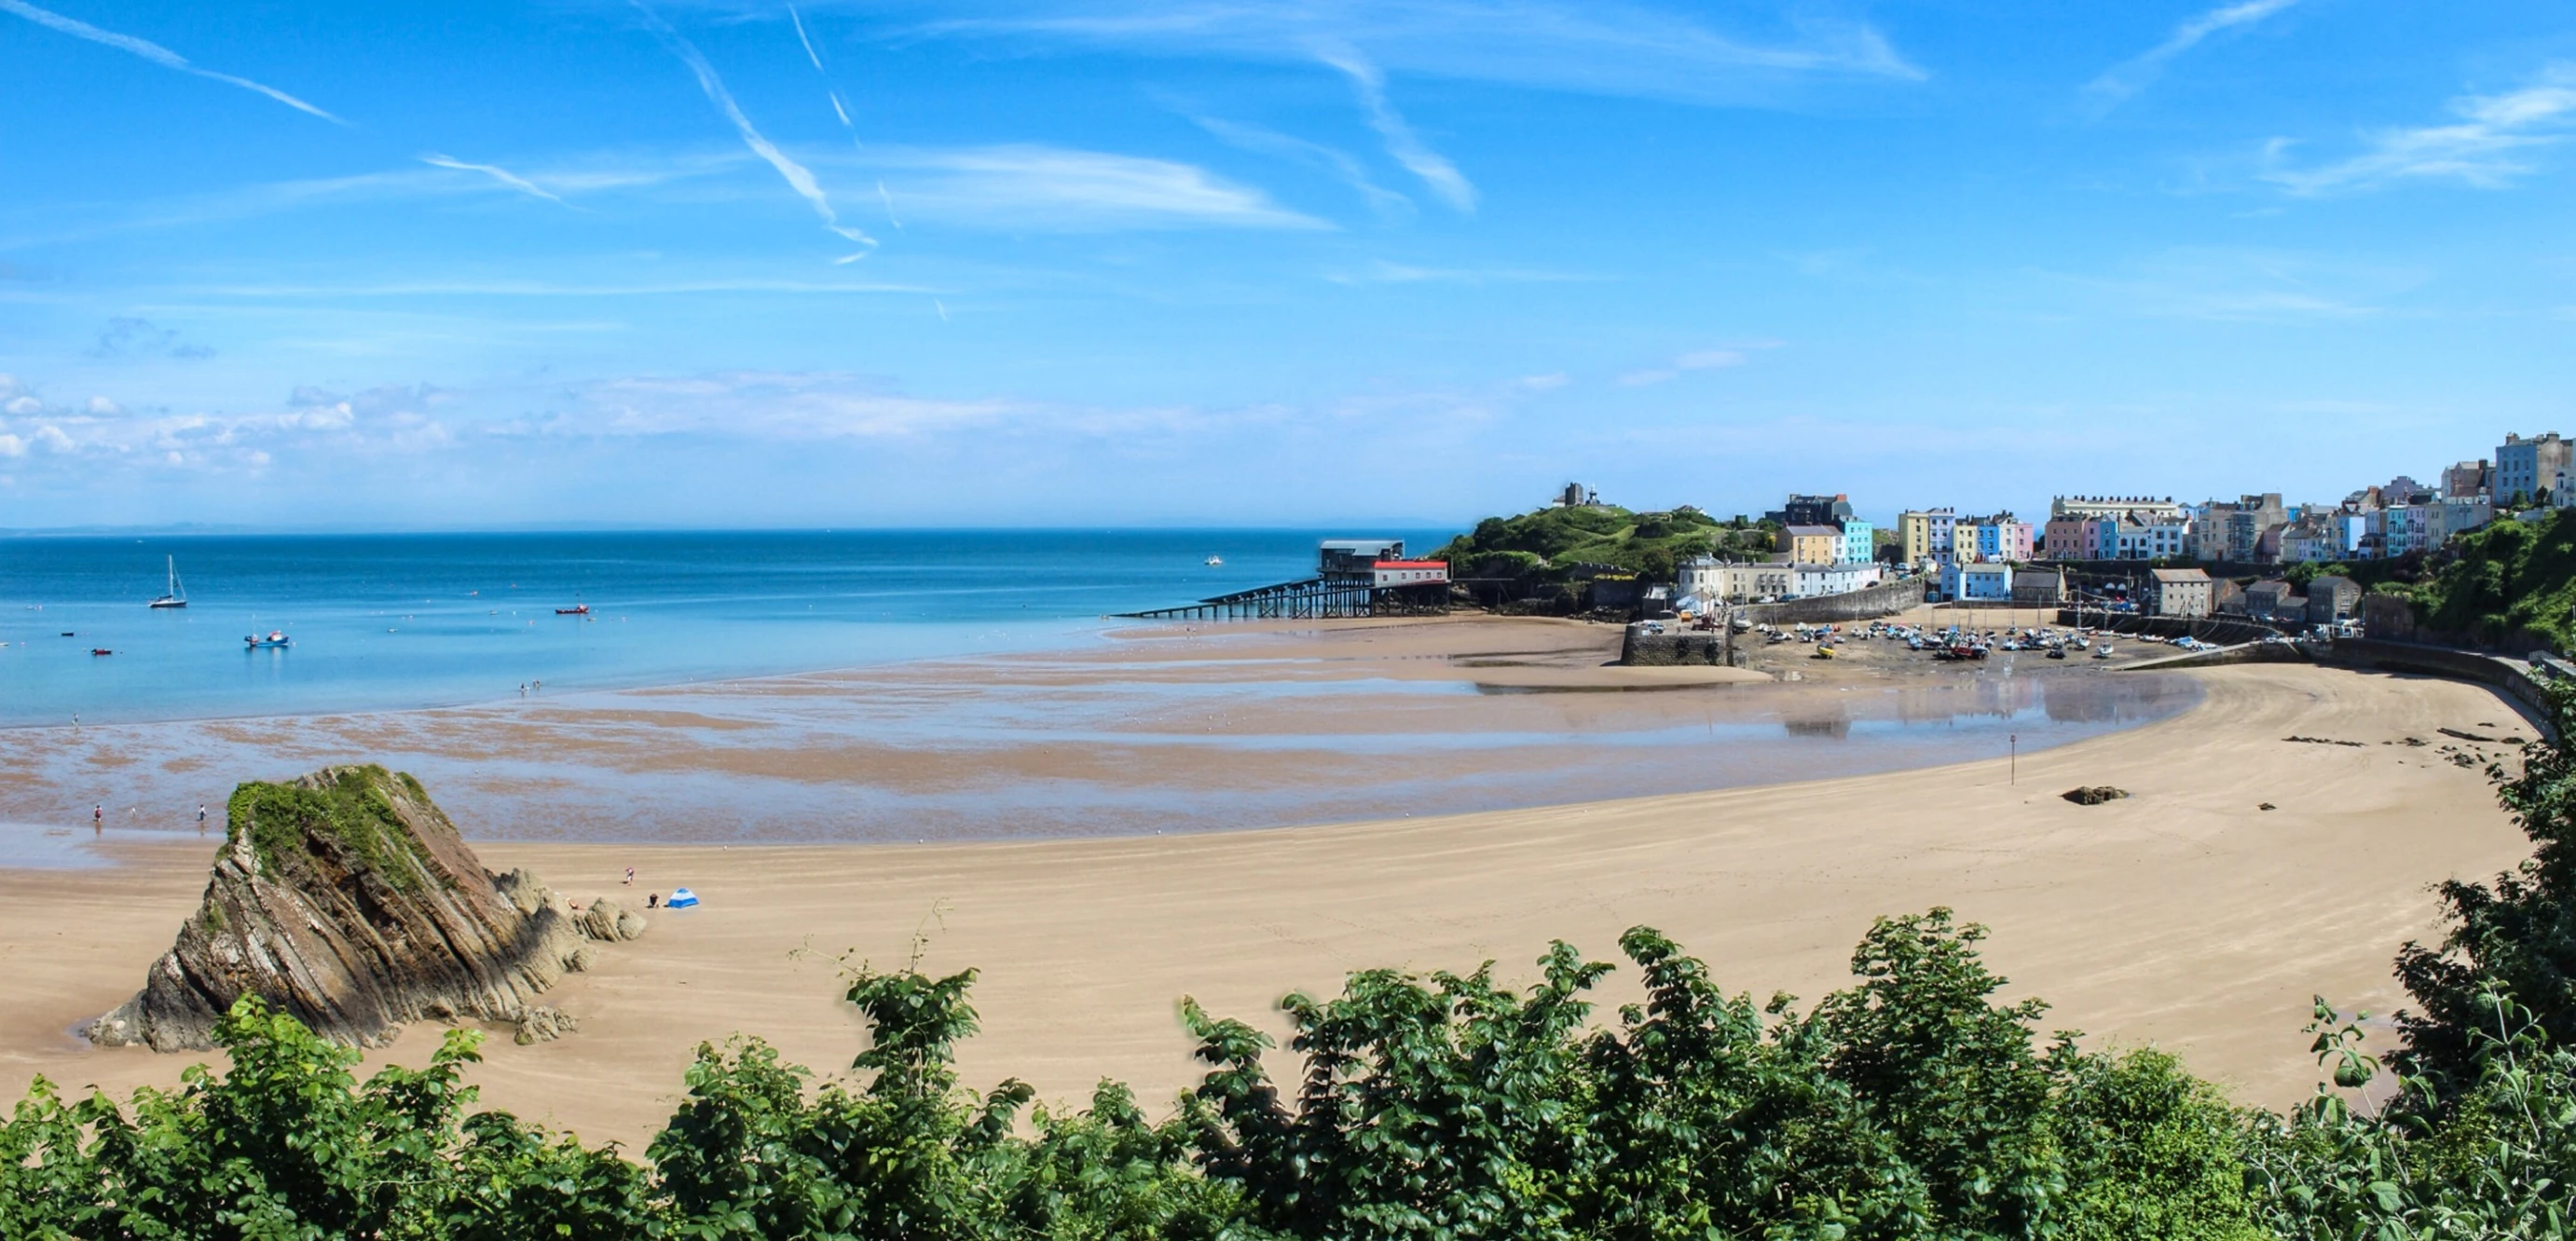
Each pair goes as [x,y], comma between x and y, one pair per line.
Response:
[990,262]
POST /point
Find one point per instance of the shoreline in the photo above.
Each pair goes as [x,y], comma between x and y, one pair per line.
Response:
[1165,729]
[2184,916]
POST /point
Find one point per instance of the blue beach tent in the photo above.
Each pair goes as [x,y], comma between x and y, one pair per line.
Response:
[681,898]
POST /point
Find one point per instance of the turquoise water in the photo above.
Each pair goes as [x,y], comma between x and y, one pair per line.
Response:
[404,621]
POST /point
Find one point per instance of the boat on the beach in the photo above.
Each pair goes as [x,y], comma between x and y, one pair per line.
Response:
[276,637]
[578,609]
[175,595]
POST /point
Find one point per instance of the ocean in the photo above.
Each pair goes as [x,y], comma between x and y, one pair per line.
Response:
[400,621]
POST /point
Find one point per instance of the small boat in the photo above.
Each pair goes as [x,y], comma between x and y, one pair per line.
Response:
[100,650]
[177,595]
[1213,561]
[578,609]
[276,637]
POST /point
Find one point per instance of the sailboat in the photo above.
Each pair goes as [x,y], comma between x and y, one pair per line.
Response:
[178,594]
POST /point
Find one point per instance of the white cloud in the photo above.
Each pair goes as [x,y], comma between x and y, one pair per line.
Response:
[1432,167]
[2489,146]
[153,52]
[1056,188]
[101,407]
[1263,141]
[2131,76]
[495,172]
[2222,284]
[798,177]
[1608,47]
[1380,271]
[12,446]
[801,405]
[1695,360]
[23,405]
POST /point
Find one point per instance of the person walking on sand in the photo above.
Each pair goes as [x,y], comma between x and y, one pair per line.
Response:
[98,819]
[630,876]
[201,818]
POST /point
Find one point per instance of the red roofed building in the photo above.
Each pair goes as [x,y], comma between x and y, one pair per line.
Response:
[1409,572]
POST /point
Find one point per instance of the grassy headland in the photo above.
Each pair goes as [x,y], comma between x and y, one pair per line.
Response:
[1547,544]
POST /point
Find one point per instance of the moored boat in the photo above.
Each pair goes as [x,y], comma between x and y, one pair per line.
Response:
[276,637]
[176,595]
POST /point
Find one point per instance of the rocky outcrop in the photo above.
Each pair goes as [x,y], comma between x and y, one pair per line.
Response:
[349,900]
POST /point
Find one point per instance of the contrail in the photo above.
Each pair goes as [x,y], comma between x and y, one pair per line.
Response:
[942,307]
[1401,142]
[797,176]
[888,199]
[153,52]
[828,92]
[502,175]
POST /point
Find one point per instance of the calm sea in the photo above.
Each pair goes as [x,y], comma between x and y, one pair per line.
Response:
[401,621]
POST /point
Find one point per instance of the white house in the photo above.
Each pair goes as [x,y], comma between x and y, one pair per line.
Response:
[1710,578]
[1833,579]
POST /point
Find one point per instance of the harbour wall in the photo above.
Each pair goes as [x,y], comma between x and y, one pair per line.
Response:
[1867,603]
[2206,628]
[1664,650]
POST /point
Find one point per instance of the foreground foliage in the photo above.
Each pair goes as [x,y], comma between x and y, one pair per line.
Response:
[1912,1104]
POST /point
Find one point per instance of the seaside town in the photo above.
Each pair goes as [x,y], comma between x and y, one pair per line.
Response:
[2253,556]
[1431,620]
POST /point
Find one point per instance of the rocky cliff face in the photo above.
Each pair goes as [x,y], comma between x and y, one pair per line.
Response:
[349,900]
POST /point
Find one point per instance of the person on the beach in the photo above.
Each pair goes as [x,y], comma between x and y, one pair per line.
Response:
[630,876]
[201,818]
[98,819]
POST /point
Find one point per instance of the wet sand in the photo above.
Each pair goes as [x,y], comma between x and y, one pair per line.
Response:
[1146,731]
[2185,916]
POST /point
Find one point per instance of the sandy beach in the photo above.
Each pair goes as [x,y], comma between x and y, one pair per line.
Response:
[1135,732]
[2246,873]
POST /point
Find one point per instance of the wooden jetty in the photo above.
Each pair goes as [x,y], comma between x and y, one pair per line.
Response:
[1315,598]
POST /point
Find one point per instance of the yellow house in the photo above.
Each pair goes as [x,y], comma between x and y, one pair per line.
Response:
[1926,535]
[1814,544]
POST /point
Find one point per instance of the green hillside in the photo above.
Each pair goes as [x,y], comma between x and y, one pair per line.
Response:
[2510,575]
[1547,542]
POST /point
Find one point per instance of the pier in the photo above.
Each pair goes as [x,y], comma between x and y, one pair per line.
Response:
[1354,578]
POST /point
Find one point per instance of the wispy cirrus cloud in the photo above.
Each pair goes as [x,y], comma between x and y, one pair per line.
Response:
[2489,146]
[1402,143]
[153,52]
[1380,271]
[2240,285]
[2135,74]
[1610,47]
[1695,360]
[1263,141]
[1070,190]
[797,176]
[497,173]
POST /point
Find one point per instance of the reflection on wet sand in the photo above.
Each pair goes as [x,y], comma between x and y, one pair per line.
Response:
[1129,738]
